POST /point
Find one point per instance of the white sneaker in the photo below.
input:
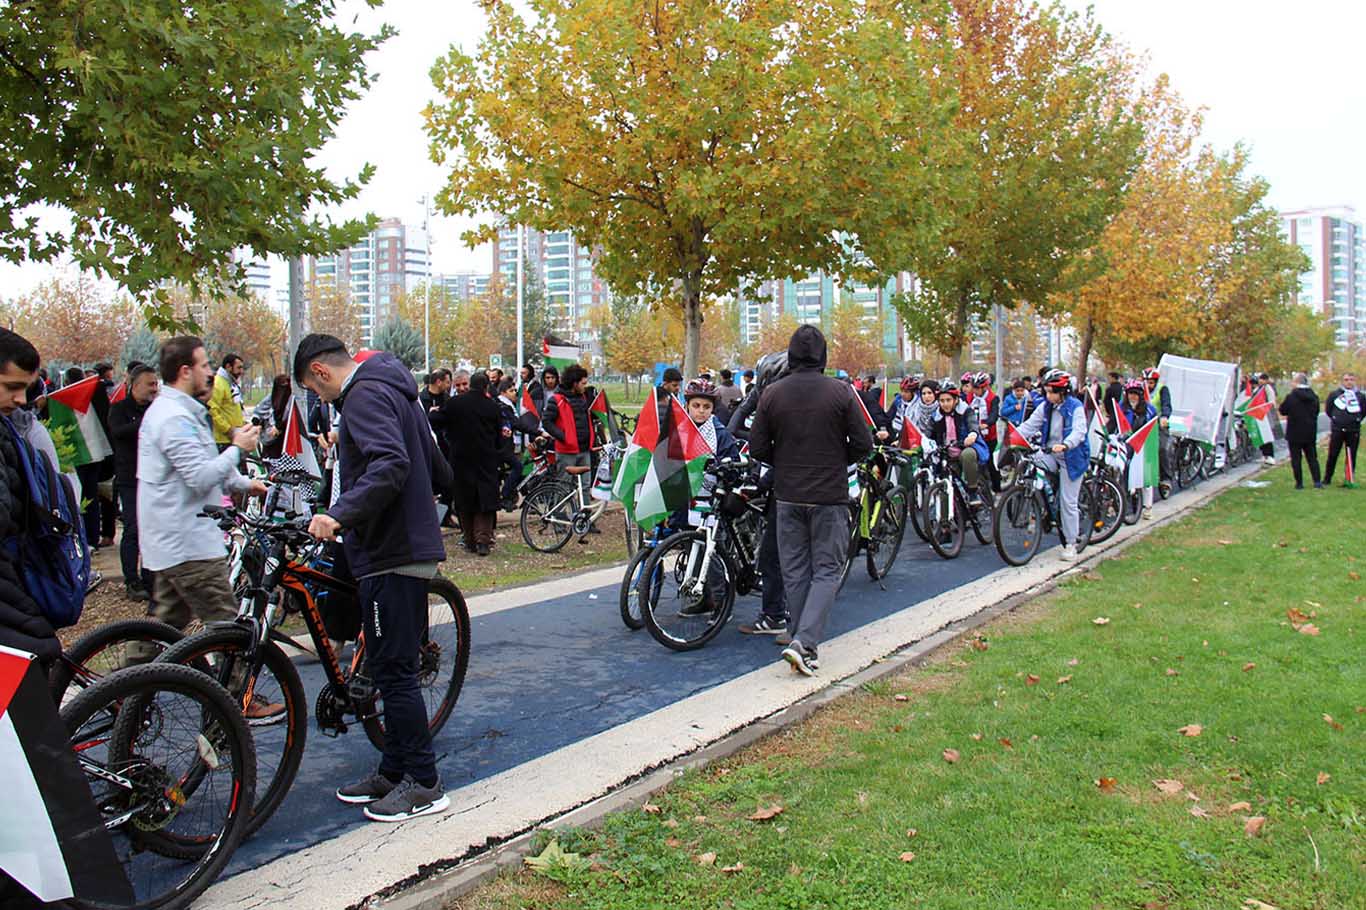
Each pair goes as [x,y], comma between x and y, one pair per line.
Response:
[1268,460]
[1069,553]
[1148,513]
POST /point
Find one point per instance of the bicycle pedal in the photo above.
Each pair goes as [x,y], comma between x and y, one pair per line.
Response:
[360,690]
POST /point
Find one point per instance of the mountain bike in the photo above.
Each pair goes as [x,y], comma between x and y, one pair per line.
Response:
[628,595]
[881,523]
[561,509]
[1108,500]
[689,583]
[287,573]
[948,508]
[1029,509]
[105,649]
[1189,457]
[1240,449]
[171,768]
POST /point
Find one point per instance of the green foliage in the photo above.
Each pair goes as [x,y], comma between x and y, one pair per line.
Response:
[400,339]
[174,132]
[66,448]
[558,865]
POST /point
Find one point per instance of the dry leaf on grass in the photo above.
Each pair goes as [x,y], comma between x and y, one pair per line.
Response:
[1225,543]
[1190,730]
[1355,576]
[1064,680]
[1253,826]
[978,643]
[1323,778]
[1296,616]
[1106,784]
[1073,662]
[912,832]
[1031,680]
[673,842]
[700,819]
[1169,787]
[671,823]
[1005,741]
[1248,666]
[1240,807]
[706,859]
[1092,576]
[975,737]
[1328,719]
[731,870]
[1101,621]
[1198,812]
[1253,904]
[899,697]
[907,856]
[1308,629]
[764,813]
[1172,671]
[650,809]
[951,755]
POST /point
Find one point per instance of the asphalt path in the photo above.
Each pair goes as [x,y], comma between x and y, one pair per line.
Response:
[553,672]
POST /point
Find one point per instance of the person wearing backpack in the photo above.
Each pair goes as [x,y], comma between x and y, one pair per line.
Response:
[23,624]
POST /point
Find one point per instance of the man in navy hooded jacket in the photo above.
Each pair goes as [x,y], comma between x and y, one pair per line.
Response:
[386,458]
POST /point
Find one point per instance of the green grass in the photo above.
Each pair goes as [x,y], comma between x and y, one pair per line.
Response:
[512,562]
[1026,825]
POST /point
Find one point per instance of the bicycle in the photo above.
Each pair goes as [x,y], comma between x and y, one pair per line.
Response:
[628,596]
[1189,456]
[103,650]
[1030,508]
[557,511]
[1109,503]
[882,510]
[689,583]
[948,509]
[246,655]
[172,772]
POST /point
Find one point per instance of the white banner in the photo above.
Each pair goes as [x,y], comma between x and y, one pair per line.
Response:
[1202,395]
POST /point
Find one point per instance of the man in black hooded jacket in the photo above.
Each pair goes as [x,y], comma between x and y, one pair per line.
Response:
[810,428]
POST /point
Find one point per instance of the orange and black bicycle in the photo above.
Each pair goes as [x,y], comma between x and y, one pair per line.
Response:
[286,576]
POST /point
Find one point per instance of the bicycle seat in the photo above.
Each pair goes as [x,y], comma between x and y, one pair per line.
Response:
[577,469]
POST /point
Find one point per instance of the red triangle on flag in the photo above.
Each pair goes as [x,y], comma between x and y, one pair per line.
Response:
[76,396]
[867,418]
[1015,439]
[685,441]
[120,393]
[1140,436]
[599,404]
[910,435]
[1259,405]
[1121,422]
[882,397]
[528,405]
[295,445]
[647,425]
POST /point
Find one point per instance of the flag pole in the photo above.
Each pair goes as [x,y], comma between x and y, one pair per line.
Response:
[521,244]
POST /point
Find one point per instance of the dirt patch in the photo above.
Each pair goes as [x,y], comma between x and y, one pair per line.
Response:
[510,890]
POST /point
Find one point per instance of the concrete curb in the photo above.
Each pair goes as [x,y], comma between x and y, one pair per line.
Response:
[439,888]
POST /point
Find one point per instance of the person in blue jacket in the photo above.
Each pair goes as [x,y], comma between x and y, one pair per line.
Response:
[1016,406]
[956,427]
[1060,422]
[1138,410]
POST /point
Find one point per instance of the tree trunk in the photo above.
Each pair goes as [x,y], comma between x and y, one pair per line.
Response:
[1087,338]
[960,331]
[692,324]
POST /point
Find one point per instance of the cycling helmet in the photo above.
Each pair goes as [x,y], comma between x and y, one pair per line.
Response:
[700,388]
[948,387]
[981,378]
[966,378]
[1151,373]
[1135,385]
[910,384]
[770,367]
[1057,380]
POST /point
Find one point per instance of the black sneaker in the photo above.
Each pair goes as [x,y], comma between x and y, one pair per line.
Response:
[374,787]
[802,658]
[764,625]
[135,591]
[408,800]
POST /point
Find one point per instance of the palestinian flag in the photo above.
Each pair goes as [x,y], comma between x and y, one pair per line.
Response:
[636,462]
[1349,468]
[1121,422]
[120,392]
[1144,466]
[1257,418]
[53,841]
[71,408]
[882,397]
[1179,424]
[675,471]
[603,412]
[867,418]
[297,446]
[557,354]
[529,405]
[910,435]
[1015,439]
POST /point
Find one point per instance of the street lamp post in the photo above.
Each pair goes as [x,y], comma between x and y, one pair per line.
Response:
[521,243]
[427,292]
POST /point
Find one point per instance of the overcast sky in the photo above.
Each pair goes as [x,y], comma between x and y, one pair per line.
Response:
[1287,84]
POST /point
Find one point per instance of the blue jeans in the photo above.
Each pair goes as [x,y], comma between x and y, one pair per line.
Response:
[394,613]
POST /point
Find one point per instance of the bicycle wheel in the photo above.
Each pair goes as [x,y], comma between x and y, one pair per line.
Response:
[443,659]
[1107,508]
[855,538]
[104,649]
[221,653]
[1189,457]
[920,488]
[1085,521]
[628,598]
[1133,507]
[887,527]
[944,520]
[170,765]
[547,518]
[981,517]
[684,603]
[635,534]
[1017,525]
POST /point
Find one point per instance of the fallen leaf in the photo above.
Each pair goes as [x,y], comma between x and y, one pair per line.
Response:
[907,856]
[731,870]
[912,832]
[1308,629]
[1198,812]
[1172,671]
[899,697]
[1101,621]
[700,819]
[1169,787]
[1156,905]
[951,755]
[706,859]
[1106,784]
[1253,826]
[1031,680]
[673,842]
[1248,666]
[671,823]
[1196,580]
[764,813]
[1006,742]
[650,809]
[1064,680]
[1225,543]
[1314,603]
[978,643]
[1190,730]
[1328,719]
[1191,796]
[1092,576]
[976,737]
[1240,807]
[1253,904]
[1073,662]
[1355,576]
[1323,778]
[1296,616]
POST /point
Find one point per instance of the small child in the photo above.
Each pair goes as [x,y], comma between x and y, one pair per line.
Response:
[700,396]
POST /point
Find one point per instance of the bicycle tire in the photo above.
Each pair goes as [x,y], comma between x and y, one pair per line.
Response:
[1085,523]
[234,639]
[130,688]
[628,597]
[635,534]
[916,507]
[1189,457]
[539,510]
[78,659]
[886,534]
[438,711]
[937,504]
[654,580]
[852,545]
[1019,509]
[1133,507]
[987,511]
[1107,508]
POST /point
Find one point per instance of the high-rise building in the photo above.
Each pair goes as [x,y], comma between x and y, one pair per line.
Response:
[390,260]
[462,286]
[811,298]
[565,270]
[1335,285]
